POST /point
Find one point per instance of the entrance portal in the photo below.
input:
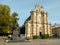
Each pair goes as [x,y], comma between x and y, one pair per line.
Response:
[40,33]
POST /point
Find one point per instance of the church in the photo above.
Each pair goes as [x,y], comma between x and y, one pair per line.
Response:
[37,23]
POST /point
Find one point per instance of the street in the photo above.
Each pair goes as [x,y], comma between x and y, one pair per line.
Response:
[33,42]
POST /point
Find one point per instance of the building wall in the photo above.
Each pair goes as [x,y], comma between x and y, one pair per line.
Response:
[28,29]
[38,23]
[56,31]
[46,23]
[49,30]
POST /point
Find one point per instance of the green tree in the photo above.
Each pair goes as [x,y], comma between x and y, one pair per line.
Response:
[5,18]
[4,10]
[14,18]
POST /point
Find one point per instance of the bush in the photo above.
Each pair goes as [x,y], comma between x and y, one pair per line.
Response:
[36,37]
[45,36]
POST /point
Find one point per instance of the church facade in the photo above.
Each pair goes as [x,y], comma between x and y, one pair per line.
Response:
[37,23]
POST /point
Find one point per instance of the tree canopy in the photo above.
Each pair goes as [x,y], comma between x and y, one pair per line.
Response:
[6,20]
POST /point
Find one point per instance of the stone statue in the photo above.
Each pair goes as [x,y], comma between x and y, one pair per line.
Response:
[15,32]
[16,36]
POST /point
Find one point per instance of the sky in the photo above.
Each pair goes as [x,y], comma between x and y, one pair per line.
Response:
[23,8]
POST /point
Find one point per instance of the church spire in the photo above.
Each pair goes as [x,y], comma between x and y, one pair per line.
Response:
[37,5]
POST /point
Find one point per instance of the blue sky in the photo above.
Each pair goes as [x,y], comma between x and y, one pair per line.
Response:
[23,8]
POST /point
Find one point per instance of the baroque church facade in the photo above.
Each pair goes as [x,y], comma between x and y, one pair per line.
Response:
[37,23]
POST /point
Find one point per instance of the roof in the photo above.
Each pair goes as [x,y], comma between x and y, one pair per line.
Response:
[28,19]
